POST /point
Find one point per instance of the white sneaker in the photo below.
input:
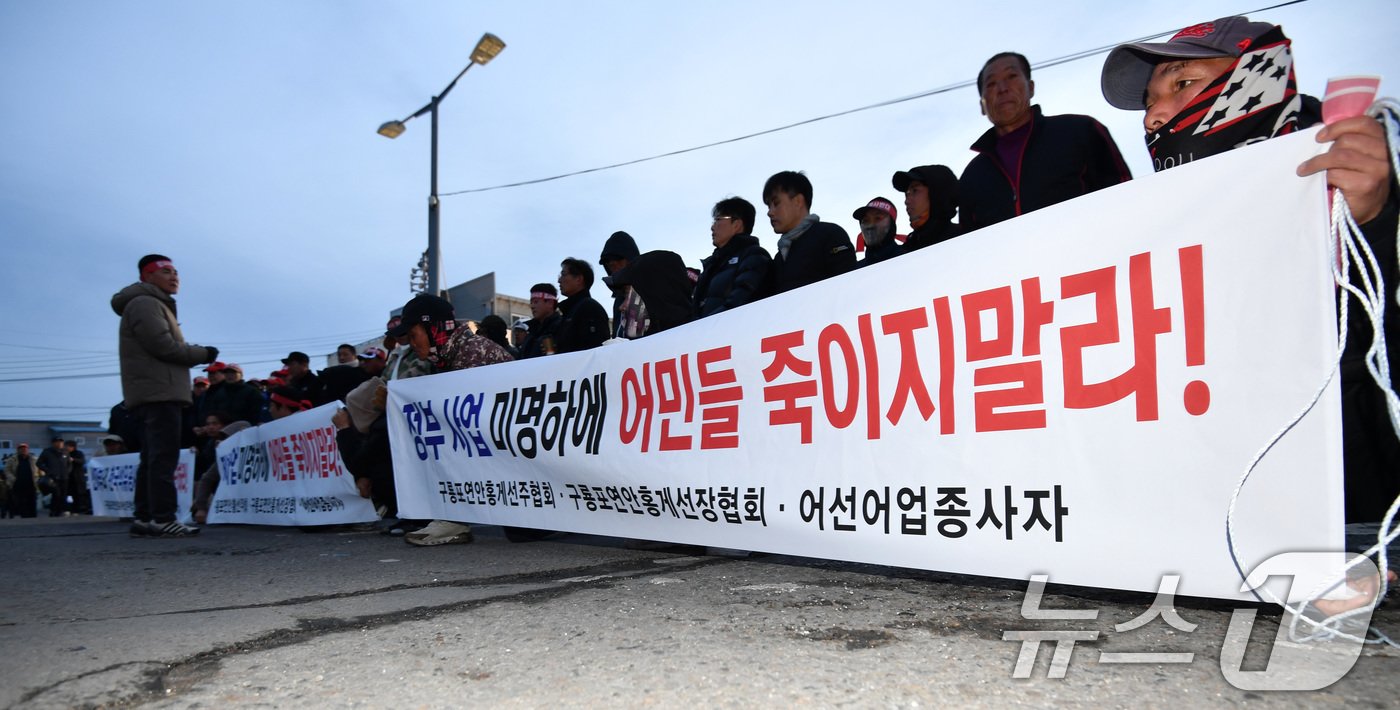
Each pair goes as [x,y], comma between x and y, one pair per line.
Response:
[440,532]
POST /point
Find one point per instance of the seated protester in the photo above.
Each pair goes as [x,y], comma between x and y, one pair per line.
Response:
[737,270]
[112,445]
[239,399]
[431,326]
[809,249]
[1196,79]
[284,401]
[1027,161]
[208,481]
[362,437]
[214,423]
[655,291]
[585,324]
[877,228]
[931,201]
[541,329]
[493,328]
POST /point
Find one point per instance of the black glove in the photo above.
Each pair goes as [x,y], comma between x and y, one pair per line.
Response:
[213,353]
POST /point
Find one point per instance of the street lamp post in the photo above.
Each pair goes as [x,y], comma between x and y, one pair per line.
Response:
[486,49]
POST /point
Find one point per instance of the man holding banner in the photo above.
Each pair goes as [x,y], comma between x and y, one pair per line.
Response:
[1221,85]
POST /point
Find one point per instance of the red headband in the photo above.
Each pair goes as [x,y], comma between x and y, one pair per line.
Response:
[290,403]
[155,266]
[544,295]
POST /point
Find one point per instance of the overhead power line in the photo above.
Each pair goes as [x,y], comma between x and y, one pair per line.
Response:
[1084,54]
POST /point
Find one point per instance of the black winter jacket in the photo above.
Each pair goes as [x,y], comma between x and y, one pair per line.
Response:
[823,251]
[733,275]
[585,324]
[1064,157]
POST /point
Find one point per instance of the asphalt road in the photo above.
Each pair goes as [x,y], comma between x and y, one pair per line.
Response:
[274,617]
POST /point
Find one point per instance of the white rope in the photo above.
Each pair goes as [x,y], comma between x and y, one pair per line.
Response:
[1348,246]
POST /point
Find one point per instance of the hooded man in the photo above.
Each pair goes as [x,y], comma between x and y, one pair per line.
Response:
[653,293]
[618,252]
[1221,85]
[930,200]
[155,364]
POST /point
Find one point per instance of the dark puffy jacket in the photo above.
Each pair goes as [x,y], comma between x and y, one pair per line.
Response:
[1064,157]
[585,324]
[733,275]
[823,251]
[155,360]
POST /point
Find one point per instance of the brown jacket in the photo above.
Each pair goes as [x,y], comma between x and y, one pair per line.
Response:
[155,359]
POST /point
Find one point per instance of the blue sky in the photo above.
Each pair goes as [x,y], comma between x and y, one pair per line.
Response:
[239,138]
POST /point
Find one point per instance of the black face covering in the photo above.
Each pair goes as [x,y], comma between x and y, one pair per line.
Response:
[1254,100]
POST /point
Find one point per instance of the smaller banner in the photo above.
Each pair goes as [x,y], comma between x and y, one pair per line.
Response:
[287,472]
[112,483]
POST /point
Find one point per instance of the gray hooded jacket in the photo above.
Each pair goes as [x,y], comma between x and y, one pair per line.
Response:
[155,359]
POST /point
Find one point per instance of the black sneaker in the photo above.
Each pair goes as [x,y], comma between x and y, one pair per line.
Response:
[173,528]
[142,528]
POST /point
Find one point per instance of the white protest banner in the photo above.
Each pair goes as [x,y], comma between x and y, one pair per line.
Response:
[112,482]
[287,472]
[1074,392]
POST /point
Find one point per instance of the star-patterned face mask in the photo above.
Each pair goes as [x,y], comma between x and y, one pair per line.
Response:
[1255,99]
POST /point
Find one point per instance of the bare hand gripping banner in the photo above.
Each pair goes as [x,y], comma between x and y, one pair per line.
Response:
[1073,392]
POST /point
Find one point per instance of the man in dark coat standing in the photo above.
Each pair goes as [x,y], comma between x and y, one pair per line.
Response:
[1027,160]
[155,364]
[585,324]
[54,462]
[809,249]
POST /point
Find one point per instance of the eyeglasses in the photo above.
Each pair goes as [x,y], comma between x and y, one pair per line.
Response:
[718,219]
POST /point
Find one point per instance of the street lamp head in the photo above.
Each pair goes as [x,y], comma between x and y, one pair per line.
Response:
[392,129]
[487,49]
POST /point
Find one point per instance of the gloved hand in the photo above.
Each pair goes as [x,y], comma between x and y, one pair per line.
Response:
[213,353]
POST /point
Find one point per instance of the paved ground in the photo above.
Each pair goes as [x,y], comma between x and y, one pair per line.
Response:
[275,617]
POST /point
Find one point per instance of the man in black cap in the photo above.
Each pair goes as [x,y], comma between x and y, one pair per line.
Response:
[430,323]
[1225,84]
[155,364]
[300,377]
[931,201]
[877,231]
[1028,160]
